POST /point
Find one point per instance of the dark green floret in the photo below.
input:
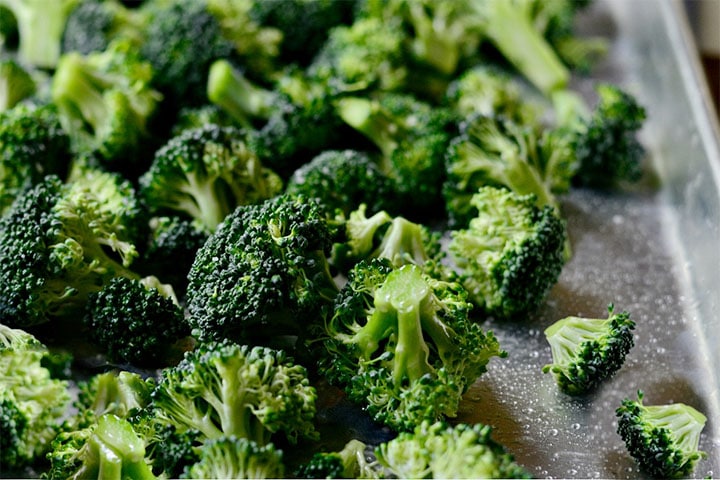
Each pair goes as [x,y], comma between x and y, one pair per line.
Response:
[663,439]
[403,345]
[511,254]
[587,351]
[352,461]
[236,457]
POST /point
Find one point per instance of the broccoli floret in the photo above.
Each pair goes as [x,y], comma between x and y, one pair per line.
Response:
[412,137]
[196,117]
[32,144]
[342,180]
[109,448]
[350,462]
[586,351]
[40,27]
[263,274]
[9,35]
[16,84]
[105,102]
[136,321]
[663,439]
[403,344]
[224,389]
[496,151]
[205,173]
[397,239]
[94,24]
[439,450]
[602,141]
[511,254]
[233,457]
[32,403]
[61,242]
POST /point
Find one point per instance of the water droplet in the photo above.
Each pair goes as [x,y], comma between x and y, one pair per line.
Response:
[575,426]
[553,432]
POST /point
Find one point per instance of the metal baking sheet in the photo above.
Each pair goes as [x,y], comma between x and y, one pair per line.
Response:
[653,250]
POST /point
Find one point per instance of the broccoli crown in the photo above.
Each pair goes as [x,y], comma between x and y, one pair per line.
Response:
[342,180]
[93,24]
[120,392]
[587,351]
[16,83]
[412,137]
[439,450]
[363,56]
[32,403]
[205,173]
[223,389]
[60,242]
[134,322]
[265,266]
[663,439]
[181,40]
[32,144]
[236,457]
[511,254]
[195,117]
[350,462]
[403,344]
[105,100]
[109,448]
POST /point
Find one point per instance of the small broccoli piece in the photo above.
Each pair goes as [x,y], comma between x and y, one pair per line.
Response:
[603,140]
[224,389]
[93,24]
[439,450]
[586,351]
[205,173]
[397,239]
[403,345]
[61,242]
[350,462]
[196,117]
[412,137]
[511,254]
[342,180]
[136,321]
[32,403]
[663,439]
[233,457]
[364,56]
[108,449]
[32,144]
[105,101]
[40,27]
[263,274]
[16,84]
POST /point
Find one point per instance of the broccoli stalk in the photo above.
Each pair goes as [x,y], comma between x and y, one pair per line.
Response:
[587,351]
[16,84]
[663,439]
[40,25]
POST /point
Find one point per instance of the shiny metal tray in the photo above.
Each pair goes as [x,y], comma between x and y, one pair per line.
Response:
[653,250]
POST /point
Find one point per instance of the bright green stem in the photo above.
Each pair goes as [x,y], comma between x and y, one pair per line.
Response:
[403,243]
[683,422]
[228,88]
[367,117]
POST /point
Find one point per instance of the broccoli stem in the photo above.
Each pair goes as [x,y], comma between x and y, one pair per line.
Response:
[368,118]
[231,91]
[683,421]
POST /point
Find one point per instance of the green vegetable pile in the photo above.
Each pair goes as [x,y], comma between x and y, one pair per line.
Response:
[222,219]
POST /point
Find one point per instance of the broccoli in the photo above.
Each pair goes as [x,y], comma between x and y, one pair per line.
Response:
[9,37]
[511,254]
[663,439]
[93,24]
[602,141]
[32,403]
[440,450]
[350,462]
[586,351]
[105,102]
[32,144]
[109,449]
[134,321]
[263,274]
[397,239]
[196,117]
[61,242]
[342,180]
[205,173]
[234,457]
[40,27]
[224,389]
[411,136]
[403,344]
[16,83]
